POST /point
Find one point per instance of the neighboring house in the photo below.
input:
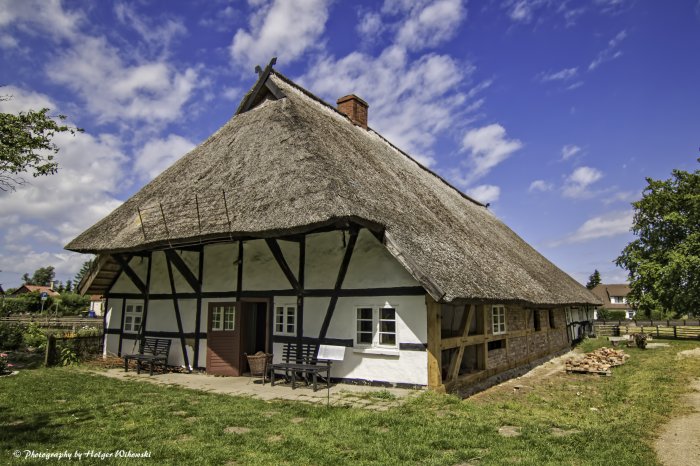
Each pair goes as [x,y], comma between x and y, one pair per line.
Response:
[296,222]
[615,297]
[97,304]
[34,289]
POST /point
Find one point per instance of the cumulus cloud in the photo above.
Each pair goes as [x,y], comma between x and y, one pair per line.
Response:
[609,53]
[39,17]
[576,185]
[285,28]
[370,26]
[485,193]
[157,35]
[606,225]
[488,146]
[158,154]
[427,24]
[410,100]
[569,151]
[540,185]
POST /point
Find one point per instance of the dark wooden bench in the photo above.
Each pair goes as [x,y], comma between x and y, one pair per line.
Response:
[152,351]
[301,359]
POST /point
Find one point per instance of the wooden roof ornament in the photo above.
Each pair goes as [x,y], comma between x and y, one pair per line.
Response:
[288,163]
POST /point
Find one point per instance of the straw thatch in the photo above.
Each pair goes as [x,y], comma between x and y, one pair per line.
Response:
[294,164]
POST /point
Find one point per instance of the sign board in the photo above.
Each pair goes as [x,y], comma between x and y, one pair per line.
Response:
[331,353]
[44,296]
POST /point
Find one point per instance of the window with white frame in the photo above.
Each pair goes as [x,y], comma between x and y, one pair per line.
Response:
[223,318]
[133,317]
[498,319]
[285,320]
[376,326]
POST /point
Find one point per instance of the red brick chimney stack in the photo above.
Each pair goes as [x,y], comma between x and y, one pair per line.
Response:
[355,108]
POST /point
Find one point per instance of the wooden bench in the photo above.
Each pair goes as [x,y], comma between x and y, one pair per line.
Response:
[152,351]
[301,359]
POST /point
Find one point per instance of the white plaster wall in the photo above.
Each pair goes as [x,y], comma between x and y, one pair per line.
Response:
[372,266]
[324,253]
[113,320]
[220,267]
[260,269]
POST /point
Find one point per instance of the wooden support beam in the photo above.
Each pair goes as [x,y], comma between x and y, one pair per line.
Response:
[198,310]
[184,270]
[178,317]
[338,284]
[456,361]
[434,351]
[484,360]
[279,257]
[126,268]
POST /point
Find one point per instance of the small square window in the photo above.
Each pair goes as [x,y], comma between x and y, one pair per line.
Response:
[132,318]
[285,320]
[376,327]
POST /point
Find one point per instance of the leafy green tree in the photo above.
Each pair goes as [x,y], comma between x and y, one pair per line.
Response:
[26,279]
[84,270]
[26,145]
[43,276]
[593,280]
[664,261]
[69,286]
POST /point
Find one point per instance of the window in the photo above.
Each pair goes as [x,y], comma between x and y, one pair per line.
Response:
[223,318]
[551,319]
[618,299]
[536,320]
[498,319]
[285,320]
[132,318]
[498,344]
[376,326]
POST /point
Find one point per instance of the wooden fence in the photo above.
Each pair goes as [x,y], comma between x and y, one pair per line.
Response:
[73,323]
[657,331]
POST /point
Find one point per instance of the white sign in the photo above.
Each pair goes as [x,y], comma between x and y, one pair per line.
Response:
[44,296]
[331,353]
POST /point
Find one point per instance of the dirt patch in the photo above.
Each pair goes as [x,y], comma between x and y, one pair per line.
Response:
[509,431]
[180,413]
[270,413]
[679,441]
[191,419]
[557,432]
[275,438]
[297,420]
[691,353]
[236,430]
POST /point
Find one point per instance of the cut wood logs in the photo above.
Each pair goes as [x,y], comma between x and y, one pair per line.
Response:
[597,362]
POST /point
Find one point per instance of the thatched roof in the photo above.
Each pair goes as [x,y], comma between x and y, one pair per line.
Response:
[289,165]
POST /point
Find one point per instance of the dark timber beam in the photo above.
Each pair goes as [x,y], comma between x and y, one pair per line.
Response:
[198,316]
[279,257]
[178,317]
[338,283]
[126,268]
[184,270]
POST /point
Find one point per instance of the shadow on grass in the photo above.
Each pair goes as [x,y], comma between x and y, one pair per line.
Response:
[43,428]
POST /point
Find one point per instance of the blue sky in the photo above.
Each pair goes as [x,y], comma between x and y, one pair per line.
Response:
[554,112]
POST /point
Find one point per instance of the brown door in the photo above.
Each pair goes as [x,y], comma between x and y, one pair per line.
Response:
[224,339]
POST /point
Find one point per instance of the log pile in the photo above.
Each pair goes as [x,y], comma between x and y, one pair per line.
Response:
[597,362]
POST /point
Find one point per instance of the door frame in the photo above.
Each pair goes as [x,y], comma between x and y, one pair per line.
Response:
[270,302]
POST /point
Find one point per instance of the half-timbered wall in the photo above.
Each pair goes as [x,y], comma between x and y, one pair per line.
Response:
[342,270]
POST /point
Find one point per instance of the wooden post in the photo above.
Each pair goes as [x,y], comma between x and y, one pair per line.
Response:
[675,331]
[434,340]
[49,358]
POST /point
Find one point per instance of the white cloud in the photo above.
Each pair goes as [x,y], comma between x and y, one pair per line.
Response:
[39,17]
[21,100]
[540,185]
[232,93]
[569,151]
[158,36]
[611,52]
[606,225]
[158,154]
[561,75]
[8,42]
[577,184]
[488,146]
[410,101]
[284,28]
[370,26]
[485,193]
[428,24]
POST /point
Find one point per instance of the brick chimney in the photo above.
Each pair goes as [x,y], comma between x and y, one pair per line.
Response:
[355,108]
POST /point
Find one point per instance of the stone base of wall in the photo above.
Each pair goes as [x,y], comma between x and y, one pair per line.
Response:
[465,392]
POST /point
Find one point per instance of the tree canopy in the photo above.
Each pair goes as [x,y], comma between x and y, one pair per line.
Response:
[664,261]
[593,280]
[84,270]
[26,145]
[43,276]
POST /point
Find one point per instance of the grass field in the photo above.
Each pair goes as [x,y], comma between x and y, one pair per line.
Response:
[68,409]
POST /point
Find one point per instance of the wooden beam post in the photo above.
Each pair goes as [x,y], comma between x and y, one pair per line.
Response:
[434,339]
[456,361]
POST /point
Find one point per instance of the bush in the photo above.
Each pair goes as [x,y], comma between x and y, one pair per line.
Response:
[27,302]
[71,304]
[11,335]
[611,314]
[33,337]
[15,306]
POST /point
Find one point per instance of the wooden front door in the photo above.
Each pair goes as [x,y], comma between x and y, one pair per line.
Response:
[224,339]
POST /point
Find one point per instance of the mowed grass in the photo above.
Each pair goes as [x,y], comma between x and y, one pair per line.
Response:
[69,409]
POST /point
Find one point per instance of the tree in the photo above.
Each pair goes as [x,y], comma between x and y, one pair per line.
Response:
[664,261]
[43,276]
[69,286]
[26,145]
[84,270]
[593,280]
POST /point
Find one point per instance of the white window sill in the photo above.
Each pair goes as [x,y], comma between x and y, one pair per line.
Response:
[380,351]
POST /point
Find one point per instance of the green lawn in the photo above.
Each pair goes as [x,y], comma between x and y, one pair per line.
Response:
[68,409]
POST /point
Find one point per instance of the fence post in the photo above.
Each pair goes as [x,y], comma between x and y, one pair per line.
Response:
[675,331]
[657,331]
[50,350]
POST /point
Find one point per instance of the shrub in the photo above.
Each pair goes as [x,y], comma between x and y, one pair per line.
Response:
[73,304]
[15,306]
[33,337]
[11,335]
[5,366]
[611,314]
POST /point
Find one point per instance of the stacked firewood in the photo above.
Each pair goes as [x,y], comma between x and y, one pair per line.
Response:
[598,362]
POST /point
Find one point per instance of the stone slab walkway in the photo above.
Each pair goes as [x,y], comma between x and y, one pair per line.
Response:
[359,396]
